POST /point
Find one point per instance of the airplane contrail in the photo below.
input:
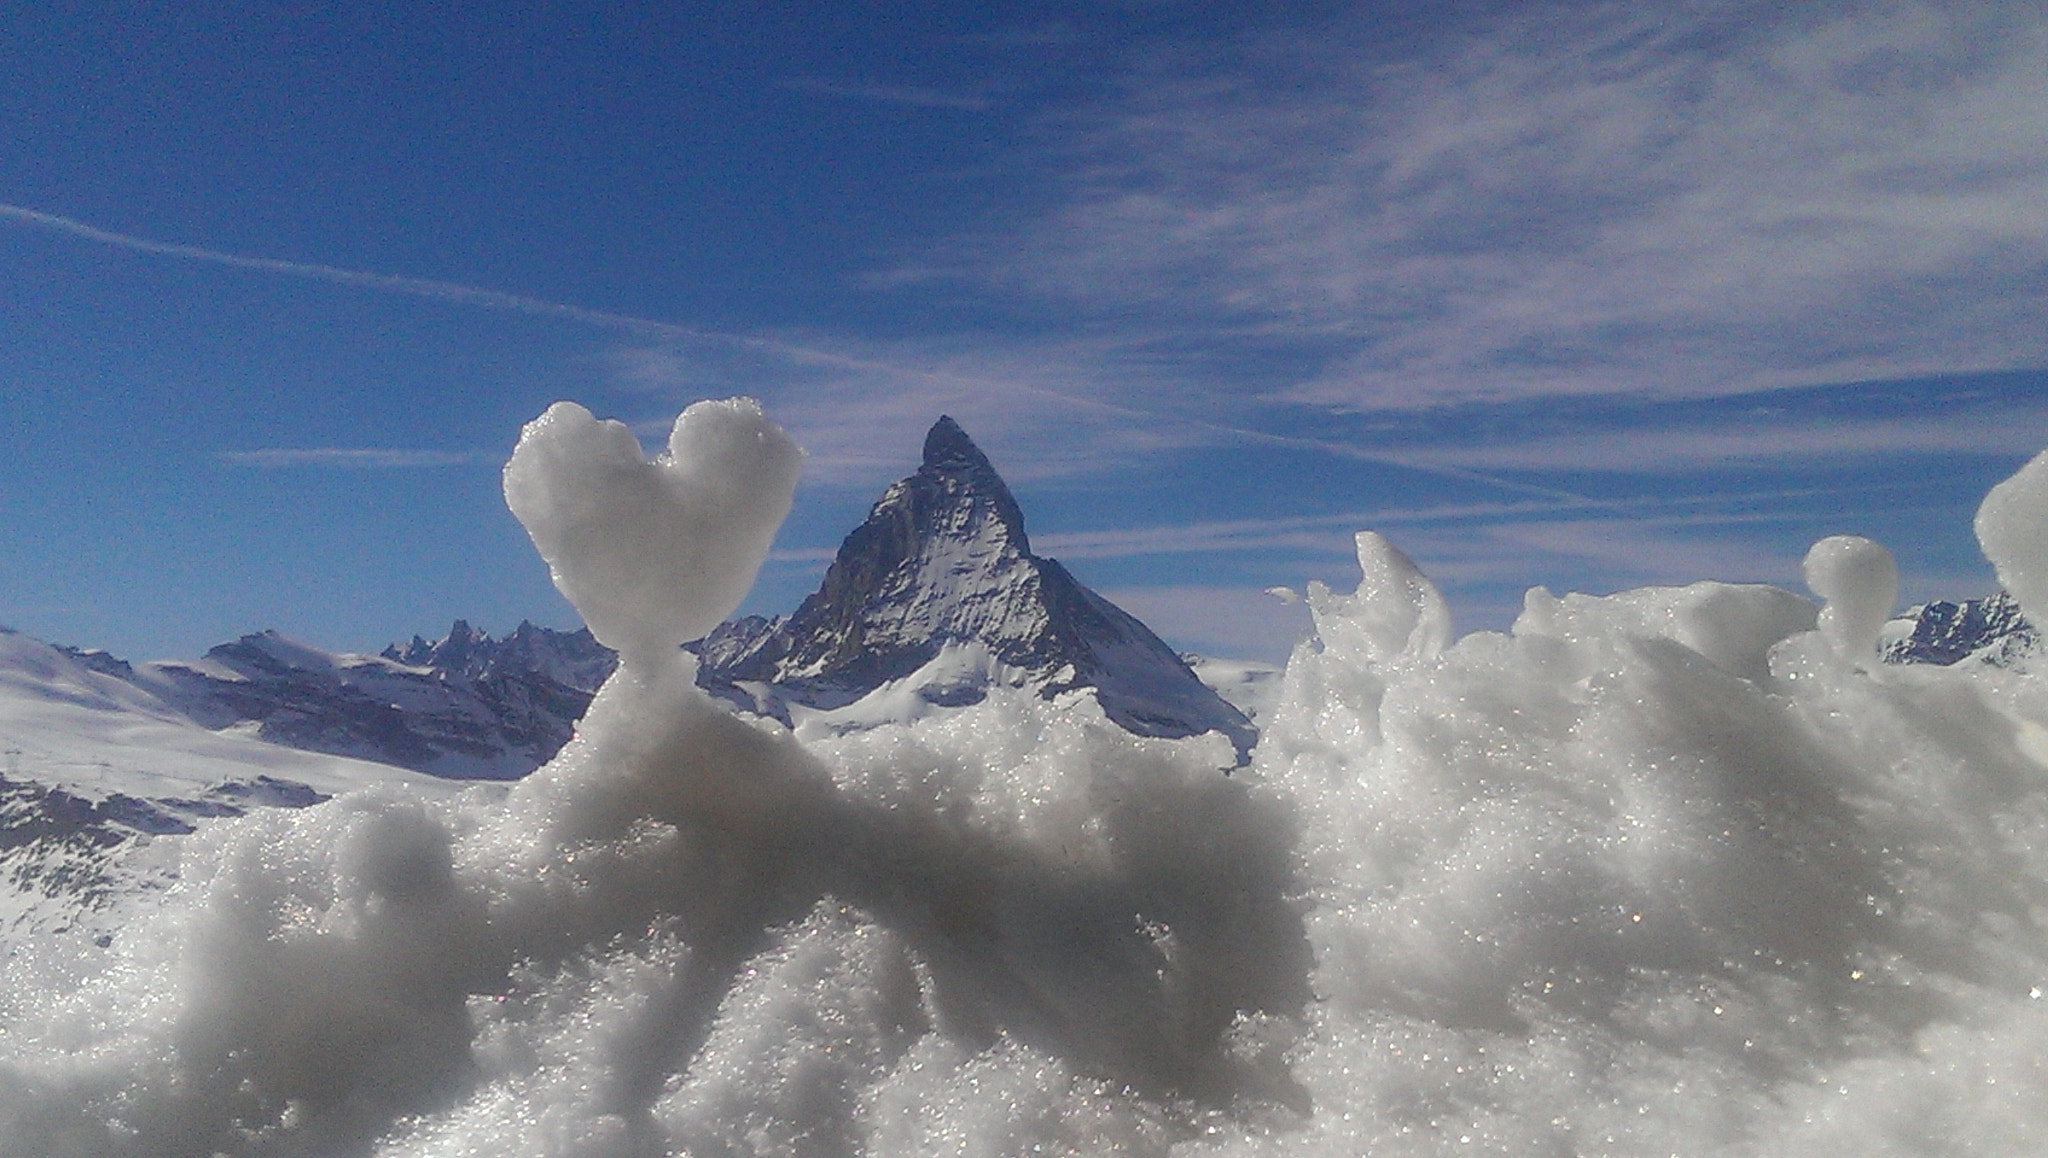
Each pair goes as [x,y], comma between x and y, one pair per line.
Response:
[456,292]
[447,291]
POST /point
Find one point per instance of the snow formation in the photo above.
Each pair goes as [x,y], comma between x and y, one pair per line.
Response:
[2015,537]
[1858,583]
[1672,871]
[653,554]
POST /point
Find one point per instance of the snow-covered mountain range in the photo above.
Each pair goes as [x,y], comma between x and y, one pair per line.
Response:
[465,707]
[99,755]
[1988,630]
[932,601]
[936,598]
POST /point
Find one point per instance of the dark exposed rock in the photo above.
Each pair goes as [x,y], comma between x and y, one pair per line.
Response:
[465,706]
[943,560]
[1990,629]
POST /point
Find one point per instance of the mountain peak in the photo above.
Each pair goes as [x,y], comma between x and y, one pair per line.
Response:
[941,563]
[955,487]
[947,447]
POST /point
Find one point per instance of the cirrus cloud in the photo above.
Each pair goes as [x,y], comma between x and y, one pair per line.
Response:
[1690,201]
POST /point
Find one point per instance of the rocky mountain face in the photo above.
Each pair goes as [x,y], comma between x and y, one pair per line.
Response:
[466,707]
[569,659]
[1989,630]
[936,597]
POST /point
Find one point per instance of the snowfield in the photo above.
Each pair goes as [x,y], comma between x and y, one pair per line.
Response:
[1671,871]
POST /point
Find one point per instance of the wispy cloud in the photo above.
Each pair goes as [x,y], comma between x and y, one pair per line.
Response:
[806,557]
[1233,621]
[1566,200]
[361,458]
[853,402]
[1042,408]
[1780,439]
[915,97]
[658,356]
[1628,551]
[1575,199]
[1312,534]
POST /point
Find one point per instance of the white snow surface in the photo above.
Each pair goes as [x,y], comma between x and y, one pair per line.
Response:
[1858,581]
[1672,871]
[94,764]
[962,670]
[65,725]
[309,692]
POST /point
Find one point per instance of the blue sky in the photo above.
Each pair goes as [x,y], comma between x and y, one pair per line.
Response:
[1580,295]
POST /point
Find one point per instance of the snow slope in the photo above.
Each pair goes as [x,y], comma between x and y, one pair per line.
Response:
[96,764]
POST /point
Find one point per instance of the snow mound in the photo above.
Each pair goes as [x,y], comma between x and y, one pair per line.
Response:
[1668,871]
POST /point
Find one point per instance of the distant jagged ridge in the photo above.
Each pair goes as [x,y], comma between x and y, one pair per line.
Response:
[570,659]
[1990,629]
[466,706]
[940,583]
[937,592]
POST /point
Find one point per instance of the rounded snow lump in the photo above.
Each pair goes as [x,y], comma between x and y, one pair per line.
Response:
[1858,581]
[653,554]
[2012,527]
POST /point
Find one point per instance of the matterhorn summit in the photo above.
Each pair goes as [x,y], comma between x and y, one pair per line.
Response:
[936,597]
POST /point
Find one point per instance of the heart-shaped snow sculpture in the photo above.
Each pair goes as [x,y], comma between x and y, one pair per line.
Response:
[653,554]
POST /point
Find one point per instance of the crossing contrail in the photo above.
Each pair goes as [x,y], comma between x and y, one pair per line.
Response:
[457,293]
[446,291]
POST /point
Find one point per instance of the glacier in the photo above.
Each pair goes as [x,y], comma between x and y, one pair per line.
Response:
[1671,871]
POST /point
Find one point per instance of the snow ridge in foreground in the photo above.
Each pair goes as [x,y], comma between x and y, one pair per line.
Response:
[1678,870]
